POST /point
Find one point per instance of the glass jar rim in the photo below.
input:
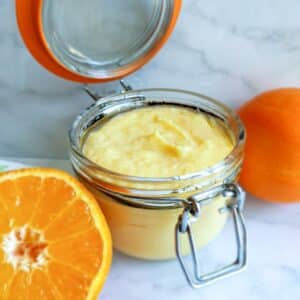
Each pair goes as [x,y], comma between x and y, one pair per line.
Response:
[239,136]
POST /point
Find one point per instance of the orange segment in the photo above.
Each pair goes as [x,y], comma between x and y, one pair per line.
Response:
[41,288]
[83,250]
[78,283]
[9,198]
[4,219]
[19,287]
[54,240]
[73,220]
[6,276]
[54,197]
[27,188]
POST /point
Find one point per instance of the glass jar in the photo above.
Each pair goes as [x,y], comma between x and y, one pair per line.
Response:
[161,218]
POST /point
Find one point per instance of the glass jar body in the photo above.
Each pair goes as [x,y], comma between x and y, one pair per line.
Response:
[143,212]
[148,233]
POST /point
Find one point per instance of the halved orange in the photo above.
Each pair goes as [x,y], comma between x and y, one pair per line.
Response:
[54,240]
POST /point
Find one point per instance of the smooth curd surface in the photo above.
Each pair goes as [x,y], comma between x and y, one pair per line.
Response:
[158,142]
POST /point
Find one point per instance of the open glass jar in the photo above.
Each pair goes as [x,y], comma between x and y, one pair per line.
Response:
[151,218]
[98,41]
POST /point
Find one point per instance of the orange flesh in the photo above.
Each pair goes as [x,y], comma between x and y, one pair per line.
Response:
[54,241]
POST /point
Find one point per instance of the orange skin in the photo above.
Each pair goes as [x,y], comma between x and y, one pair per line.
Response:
[271,169]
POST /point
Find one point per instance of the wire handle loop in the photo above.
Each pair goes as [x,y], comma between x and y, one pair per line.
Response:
[191,213]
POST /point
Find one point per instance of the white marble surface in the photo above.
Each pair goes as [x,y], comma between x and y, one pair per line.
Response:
[230,50]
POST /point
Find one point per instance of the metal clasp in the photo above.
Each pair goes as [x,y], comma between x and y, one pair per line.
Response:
[192,212]
[95,96]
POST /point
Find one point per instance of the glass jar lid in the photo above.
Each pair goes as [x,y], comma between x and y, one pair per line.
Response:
[95,40]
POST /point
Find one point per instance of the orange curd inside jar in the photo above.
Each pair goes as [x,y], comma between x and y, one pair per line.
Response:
[144,153]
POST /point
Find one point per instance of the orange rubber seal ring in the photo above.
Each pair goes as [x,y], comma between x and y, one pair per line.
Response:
[29,19]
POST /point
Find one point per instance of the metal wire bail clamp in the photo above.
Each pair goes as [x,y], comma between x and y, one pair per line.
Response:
[192,212]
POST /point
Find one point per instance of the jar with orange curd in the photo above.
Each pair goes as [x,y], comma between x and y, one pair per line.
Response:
[162,163]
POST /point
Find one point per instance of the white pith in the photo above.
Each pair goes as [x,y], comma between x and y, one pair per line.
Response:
[25,249]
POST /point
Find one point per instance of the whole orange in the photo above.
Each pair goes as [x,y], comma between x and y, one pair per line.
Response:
[271,169]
